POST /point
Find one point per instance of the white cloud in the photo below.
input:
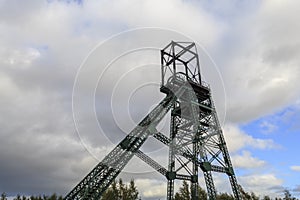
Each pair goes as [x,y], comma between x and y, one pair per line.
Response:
[8,88]
[19,58]
[152,188]
[268,127]
[295,168]
[185,17]
[262,184]
[260,69]
[258,54]
[39,56]
[247,161]
[236,139]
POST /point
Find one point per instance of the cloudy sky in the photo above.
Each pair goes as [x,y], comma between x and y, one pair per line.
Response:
[76,76]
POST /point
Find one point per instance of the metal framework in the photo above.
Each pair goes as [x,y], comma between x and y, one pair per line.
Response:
[195,141]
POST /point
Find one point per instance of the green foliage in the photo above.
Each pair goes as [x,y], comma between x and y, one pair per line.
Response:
[3,196]
[202,193]
[44,197]
[253,196]
[288,195]
[112,192]
[225,196]
[117,191]
[247,196]
[121,191]
[266,198]
[184,192]
[133,192]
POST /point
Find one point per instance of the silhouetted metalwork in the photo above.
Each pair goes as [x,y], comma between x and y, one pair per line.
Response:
[195,141]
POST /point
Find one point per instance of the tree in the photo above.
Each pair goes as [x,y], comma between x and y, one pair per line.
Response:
[224,196]
[246,195]
[53,197]
[253,196]
[288,195]
[18,197]
[3,196]
[202,193]
[111,193]
[121,191]
[184,192]
[266,198]
[132,191]
[121,188]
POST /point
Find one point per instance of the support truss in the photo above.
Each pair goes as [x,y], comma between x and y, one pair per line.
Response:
[195,142]
[98,180]
[196,139]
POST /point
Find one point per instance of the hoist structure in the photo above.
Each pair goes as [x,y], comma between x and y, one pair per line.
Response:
[195,142]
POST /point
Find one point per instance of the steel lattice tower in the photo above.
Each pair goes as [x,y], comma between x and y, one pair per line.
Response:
[195,141]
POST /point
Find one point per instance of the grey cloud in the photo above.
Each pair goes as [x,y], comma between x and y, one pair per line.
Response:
[283,54]
[10,11]
[297,189]
[261,68]
[40,149]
